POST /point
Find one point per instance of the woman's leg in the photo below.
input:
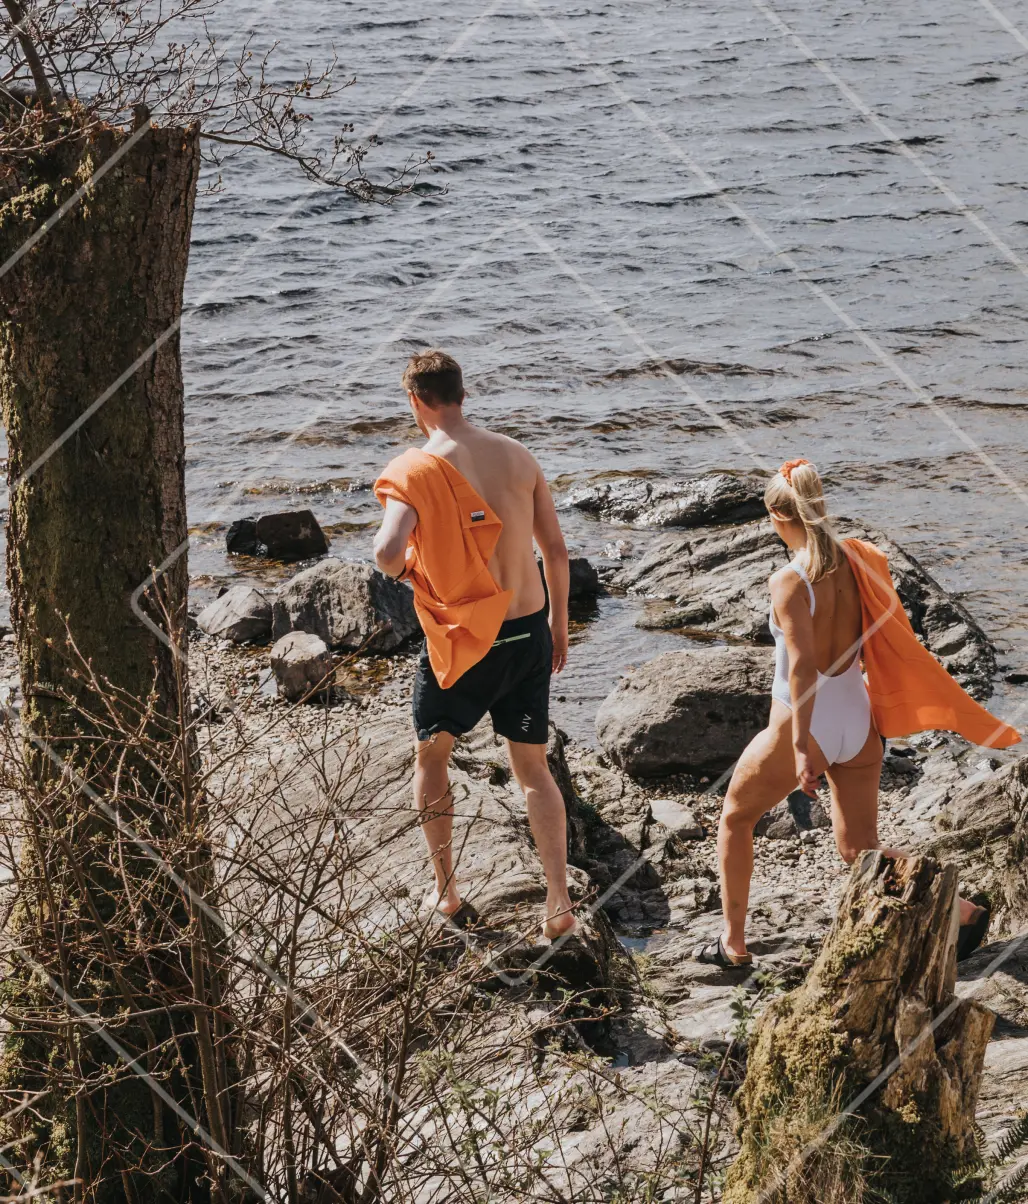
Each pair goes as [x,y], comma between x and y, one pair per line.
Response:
[763,776]
[854,786]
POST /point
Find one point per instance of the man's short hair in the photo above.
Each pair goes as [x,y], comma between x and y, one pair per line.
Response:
[434,378]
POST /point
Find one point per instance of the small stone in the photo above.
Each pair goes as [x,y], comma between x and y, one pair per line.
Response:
[902,766]
[10,638]
[301,663]
[1016,679]
[676,818]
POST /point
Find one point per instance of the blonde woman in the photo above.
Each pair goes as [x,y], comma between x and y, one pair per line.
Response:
[832,607]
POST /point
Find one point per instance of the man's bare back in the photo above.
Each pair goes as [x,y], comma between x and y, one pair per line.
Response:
[506,476]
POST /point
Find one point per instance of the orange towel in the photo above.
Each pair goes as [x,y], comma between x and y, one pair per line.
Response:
[910,691]
[459,604]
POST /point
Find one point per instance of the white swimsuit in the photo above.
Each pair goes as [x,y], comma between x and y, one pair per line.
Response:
[841,717]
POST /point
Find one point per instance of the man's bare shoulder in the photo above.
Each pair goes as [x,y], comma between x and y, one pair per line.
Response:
[513,452]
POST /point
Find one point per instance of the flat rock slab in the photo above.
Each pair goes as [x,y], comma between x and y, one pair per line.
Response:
[497,868]
[717,580]
[715,498]
[349,605]
[691,710]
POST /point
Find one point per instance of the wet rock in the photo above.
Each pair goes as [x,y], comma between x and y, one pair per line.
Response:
[241,614]
[689,710]
[349,605]
[241,538]
[585,581]
[725,573]
[718,497]
[291,535]
[301,663]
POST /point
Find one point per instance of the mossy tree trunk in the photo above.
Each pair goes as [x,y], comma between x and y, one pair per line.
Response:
[97,501]
[875,1031]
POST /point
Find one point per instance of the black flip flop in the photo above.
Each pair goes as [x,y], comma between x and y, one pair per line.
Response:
[715,954]
[971,936]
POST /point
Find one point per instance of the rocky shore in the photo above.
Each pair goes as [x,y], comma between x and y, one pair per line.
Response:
[643,803]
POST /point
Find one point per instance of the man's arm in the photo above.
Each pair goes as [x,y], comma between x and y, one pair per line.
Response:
[550,540]
[393,536]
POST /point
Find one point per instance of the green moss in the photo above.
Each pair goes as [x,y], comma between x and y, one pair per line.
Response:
[848,950]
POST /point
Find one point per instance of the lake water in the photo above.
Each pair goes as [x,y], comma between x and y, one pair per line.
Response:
[613,184]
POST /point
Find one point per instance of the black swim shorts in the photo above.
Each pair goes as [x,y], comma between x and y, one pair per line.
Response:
[511,682]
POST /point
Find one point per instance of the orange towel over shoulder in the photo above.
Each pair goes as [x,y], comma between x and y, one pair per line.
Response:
[910,690]
[459,604]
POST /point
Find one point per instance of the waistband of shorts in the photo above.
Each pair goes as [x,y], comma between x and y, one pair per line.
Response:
[524,625]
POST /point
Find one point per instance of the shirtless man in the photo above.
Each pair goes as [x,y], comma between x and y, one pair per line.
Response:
[512,679]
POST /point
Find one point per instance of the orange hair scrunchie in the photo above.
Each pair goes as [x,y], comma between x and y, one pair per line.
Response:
[789,465]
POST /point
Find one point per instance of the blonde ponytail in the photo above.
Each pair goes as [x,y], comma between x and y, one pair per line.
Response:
[795,492]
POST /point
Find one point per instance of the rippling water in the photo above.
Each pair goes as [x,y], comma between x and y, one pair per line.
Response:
[614,184]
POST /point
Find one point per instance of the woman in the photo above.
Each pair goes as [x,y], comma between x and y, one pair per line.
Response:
[832,606]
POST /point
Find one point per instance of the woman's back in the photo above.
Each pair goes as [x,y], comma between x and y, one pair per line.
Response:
[838,620]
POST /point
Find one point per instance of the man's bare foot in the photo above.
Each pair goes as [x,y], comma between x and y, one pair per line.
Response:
[968,911]
[559,922]
[448,905]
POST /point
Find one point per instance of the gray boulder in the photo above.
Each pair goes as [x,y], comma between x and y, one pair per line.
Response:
[301,663]
[585,581]
[349,605]
[717,497]
[690,710]
[242,614]
[718,578]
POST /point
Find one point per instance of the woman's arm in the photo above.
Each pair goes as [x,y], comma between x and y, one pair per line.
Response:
[791,601]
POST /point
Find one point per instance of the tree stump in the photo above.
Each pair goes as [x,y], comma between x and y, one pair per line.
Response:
[862,1083]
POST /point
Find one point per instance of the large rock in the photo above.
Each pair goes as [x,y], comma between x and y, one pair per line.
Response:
[689,710]
[286,535]
[718,497]
[242,614]
[301,663]
[347,604]
[719,580]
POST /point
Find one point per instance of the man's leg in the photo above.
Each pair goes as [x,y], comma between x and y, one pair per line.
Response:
[434,800]
[548,821]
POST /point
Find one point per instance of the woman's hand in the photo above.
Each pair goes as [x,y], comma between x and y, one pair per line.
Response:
[808,779]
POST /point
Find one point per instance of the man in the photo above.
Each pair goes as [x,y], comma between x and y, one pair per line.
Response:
[461,515]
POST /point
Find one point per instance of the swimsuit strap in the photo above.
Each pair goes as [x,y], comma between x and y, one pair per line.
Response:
[801,572]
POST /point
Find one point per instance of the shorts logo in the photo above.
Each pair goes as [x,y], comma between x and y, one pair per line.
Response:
[526,723]
[477,516]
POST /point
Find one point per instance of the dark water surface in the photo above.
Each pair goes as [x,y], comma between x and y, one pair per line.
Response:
[671,181]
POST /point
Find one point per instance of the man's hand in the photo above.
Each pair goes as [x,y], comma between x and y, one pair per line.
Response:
[808,779]
[559,631]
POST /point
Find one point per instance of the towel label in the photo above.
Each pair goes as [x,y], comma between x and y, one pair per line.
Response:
[478,516]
